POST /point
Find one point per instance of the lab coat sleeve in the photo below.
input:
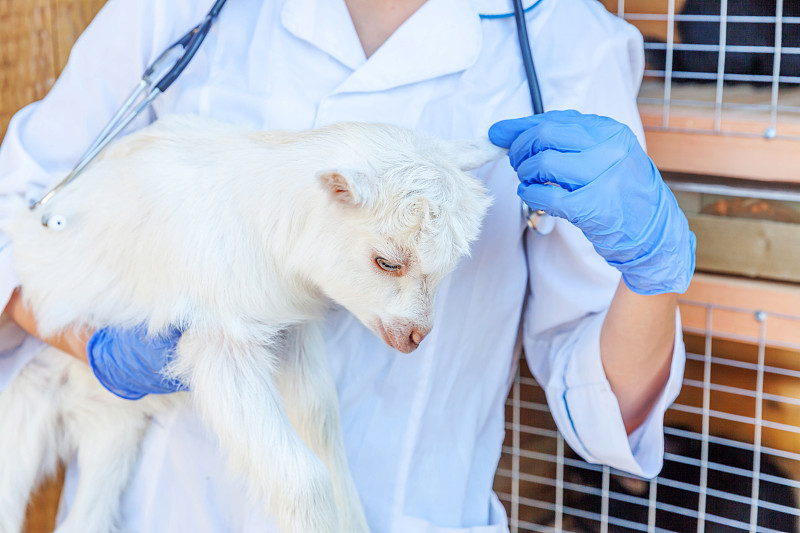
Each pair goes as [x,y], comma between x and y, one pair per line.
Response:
[571,289]
[45,139]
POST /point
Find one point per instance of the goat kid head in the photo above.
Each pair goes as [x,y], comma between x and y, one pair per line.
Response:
[398,214]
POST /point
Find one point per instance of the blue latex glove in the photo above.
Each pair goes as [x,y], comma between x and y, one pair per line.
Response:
[592,171]
[129,363]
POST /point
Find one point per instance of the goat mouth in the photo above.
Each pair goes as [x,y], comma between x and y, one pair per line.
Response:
[395,338]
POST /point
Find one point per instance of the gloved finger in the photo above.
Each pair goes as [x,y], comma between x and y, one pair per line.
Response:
[551,199]
[504,132]
[544,136]
[562,137]
[571,171]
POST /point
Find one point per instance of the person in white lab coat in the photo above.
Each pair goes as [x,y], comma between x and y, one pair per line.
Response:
[423,432]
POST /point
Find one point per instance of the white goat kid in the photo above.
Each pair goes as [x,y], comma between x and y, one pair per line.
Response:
[241,239]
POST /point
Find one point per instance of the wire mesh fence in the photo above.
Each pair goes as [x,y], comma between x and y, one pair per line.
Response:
[732,450]
[719,66]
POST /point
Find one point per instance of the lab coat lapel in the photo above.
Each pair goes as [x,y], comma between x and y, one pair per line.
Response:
[442,37]
[327,25]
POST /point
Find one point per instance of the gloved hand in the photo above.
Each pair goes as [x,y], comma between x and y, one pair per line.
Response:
[130,364]
[592,171]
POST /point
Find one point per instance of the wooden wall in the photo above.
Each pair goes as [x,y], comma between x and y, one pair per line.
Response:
[35,39]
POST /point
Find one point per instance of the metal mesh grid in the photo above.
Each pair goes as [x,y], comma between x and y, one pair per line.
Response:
[728,94]
[732,460]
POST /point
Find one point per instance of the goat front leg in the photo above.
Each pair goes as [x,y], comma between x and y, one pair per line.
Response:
[233,387]
[309,393]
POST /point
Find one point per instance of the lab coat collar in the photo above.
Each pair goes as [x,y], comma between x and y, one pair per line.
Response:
[495,8]
[442,37]
[327,25]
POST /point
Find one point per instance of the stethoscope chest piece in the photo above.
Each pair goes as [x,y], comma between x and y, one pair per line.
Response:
[538,220]
[54,222]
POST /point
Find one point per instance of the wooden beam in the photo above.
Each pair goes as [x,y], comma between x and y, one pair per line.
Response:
[723,155]
[734,302]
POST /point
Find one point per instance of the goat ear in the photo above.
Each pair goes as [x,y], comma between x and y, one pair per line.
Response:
[339,188]
[472,154]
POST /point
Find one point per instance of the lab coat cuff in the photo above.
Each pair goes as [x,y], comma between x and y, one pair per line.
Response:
[647,441]
[597,431]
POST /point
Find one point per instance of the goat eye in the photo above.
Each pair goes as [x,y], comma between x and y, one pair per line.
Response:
[386,265]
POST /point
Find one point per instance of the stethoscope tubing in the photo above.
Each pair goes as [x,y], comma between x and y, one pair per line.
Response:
[167,67]
[531,217]
[527,58]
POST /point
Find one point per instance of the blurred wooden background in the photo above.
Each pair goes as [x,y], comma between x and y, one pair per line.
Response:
[35,39]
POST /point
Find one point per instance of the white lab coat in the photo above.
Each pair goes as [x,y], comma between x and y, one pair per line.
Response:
[423,431]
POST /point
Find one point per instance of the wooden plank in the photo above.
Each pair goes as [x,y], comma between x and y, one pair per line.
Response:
[770,296]
[747,296]
[722,155]
[701,121]
[754,248]
[27,70]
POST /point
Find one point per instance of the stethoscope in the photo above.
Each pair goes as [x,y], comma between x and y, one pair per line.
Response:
[172,62]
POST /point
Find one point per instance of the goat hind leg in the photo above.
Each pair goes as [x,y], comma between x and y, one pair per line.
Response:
[28,436]
[108,433]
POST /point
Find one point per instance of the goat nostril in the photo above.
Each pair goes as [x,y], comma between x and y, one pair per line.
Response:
[416,337]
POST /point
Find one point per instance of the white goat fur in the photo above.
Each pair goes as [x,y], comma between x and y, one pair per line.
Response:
[241,239]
